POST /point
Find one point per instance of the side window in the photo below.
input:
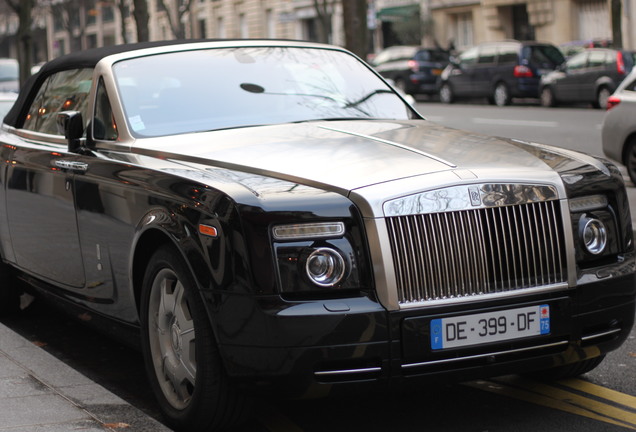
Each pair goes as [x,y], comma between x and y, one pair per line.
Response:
[507,54]
[596,59]
[104,126]
[63,91]
[469,57]
[487,54]
[577,62]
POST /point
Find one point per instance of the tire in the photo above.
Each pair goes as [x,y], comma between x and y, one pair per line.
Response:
[547,97]
[9,292]
[569,370]
[501,95]
[629,159]
[446,94]
[180,354]
[602,96]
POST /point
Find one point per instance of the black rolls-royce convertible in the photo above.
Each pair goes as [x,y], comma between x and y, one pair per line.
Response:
[273,215]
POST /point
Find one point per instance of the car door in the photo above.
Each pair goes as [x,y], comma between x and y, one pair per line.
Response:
[567,85]
[39,187]
[596,69]
[482,82]
[462,73]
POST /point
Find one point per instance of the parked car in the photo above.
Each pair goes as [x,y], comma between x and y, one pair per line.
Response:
[271,215]
[590,77]
[619,125]
[414,70]
[499,71]
[9,75]
[6,102]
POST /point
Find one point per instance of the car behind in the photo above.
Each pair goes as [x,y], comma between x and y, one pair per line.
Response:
[414,70]
[590,76]
[499,71]
[619,125]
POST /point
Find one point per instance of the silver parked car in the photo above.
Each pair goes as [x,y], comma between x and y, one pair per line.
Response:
[619,125]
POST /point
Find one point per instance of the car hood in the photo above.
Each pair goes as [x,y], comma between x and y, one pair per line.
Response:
[393,157]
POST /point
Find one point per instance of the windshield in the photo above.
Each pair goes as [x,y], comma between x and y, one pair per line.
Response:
[211,89]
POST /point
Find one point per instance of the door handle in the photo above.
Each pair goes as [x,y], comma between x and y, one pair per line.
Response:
[71,165]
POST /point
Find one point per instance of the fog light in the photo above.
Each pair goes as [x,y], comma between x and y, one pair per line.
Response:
[593,234]
[325,267]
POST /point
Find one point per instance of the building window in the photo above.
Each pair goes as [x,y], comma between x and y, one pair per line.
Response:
[270,24]
[244,32]
[108,14]
[220,28]
[202,28]
[462,30]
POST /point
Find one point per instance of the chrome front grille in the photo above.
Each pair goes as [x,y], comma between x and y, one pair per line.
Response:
[468,253]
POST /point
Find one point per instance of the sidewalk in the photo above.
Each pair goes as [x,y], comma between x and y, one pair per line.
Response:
[39,393]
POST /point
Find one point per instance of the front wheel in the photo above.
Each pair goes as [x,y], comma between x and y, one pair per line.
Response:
[501,95]
[180,354]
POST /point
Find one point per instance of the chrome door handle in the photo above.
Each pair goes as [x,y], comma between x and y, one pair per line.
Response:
[71,165]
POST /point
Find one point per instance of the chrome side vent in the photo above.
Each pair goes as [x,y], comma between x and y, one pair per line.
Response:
[469,253]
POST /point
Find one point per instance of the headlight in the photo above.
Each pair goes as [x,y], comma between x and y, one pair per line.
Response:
[593,234]
[325,267]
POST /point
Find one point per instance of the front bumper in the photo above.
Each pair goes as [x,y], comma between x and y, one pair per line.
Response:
[367,344]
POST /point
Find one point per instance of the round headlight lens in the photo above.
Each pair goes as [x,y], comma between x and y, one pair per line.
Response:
[594,235]
[325,267]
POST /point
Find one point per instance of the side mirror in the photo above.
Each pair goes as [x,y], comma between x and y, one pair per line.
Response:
[71,125]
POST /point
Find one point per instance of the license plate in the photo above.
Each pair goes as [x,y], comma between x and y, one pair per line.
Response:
[437,71]
[490,327]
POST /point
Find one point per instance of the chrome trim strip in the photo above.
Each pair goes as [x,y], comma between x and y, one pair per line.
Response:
[490,296]
[465,197]
[348,371]
[600,334]
[456,359]
[392,143]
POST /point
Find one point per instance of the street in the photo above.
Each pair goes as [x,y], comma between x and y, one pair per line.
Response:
[602,400]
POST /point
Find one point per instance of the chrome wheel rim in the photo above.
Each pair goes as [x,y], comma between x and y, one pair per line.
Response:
[445,94]
[546,97]
[172,339]
[603,96]
[501,95]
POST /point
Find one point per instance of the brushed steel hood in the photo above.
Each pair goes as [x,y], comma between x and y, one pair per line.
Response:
[344,156]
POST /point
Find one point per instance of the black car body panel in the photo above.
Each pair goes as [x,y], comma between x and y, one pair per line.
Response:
[256,212]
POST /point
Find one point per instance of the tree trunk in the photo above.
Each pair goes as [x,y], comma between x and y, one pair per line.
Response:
[355,26]
[141,20]
[24,9]
[617,24]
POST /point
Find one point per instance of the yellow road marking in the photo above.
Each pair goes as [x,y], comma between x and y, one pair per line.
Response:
[554,397]
[601,392]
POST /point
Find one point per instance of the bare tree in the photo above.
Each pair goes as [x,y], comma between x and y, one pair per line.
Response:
[71,15]
[175,13]
[324,10]
[24,10]
[142,17]
[355,26]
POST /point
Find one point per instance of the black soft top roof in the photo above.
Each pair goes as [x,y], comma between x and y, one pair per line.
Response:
[76,60]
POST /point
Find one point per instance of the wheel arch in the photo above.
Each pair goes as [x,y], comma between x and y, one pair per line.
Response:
[631,138]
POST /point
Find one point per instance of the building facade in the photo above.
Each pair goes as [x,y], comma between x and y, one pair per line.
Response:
[70,25]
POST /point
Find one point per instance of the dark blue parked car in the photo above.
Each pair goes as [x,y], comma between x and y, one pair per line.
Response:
[499,71]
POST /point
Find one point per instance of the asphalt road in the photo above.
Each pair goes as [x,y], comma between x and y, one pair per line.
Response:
[603,400]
